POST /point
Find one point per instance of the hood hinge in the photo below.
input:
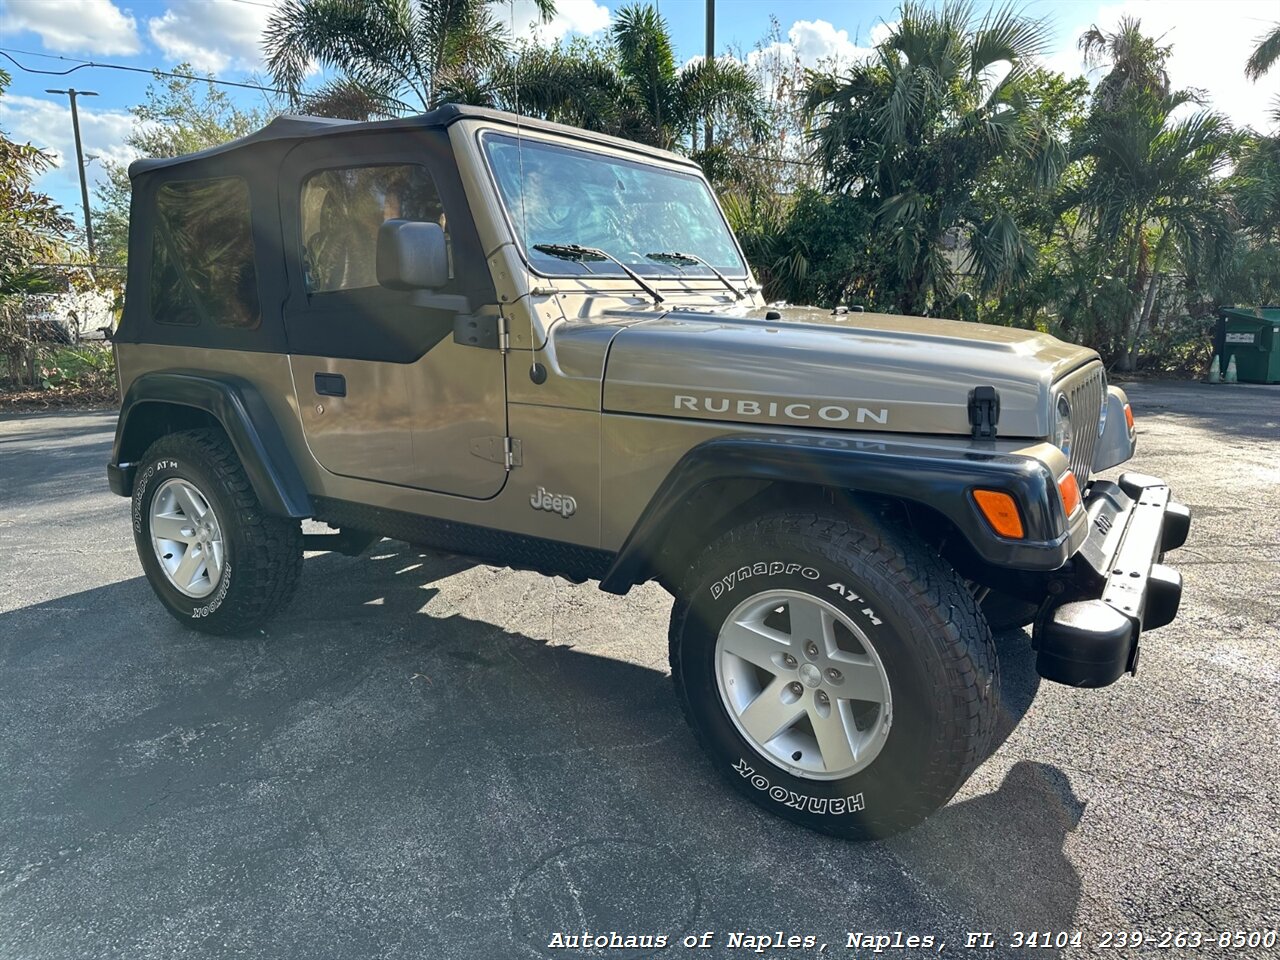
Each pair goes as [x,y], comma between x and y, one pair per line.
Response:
[984,412]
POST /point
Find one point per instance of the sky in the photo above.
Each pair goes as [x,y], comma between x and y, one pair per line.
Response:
[1210,45]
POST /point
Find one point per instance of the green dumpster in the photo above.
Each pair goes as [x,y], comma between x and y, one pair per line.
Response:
[1253,340]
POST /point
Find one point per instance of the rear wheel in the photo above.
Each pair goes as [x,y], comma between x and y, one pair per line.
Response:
[839,674]
[217,562]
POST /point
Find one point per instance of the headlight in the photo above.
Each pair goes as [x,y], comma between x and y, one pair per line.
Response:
[1062,425]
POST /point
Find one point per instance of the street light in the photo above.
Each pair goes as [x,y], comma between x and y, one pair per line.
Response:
[84,185]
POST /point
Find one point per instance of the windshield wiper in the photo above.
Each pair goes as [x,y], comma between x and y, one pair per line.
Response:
[694,258]
[571,251]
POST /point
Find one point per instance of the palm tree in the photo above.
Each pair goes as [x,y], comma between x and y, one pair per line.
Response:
[1135,61]
[631,87]
[1266,54]
[917,131]
[1153,189]
[390,56]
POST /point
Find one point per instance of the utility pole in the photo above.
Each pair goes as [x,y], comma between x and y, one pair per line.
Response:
[711,55]
[84,183]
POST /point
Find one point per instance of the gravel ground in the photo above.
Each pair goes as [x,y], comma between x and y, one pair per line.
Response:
[423,758]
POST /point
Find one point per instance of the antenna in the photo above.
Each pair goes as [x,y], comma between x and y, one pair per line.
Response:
[537,373]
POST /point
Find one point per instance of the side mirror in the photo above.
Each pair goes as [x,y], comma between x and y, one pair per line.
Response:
[412,255]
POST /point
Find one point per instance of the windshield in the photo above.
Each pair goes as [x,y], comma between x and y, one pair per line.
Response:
[625,208]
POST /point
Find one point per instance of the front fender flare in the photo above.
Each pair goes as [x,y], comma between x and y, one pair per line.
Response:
[936,476]
[245,417]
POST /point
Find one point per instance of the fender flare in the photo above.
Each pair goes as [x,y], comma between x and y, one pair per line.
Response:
[245,417]
[939,477]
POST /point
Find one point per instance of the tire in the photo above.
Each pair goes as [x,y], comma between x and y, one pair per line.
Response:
[251,560]
[907,621]
[1004,612]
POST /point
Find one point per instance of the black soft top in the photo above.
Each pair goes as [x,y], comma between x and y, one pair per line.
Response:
[292,127]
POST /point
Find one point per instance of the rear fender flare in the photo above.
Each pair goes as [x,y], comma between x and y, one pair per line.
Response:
[245,418]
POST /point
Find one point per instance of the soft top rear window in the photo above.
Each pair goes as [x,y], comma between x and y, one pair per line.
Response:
[202,258]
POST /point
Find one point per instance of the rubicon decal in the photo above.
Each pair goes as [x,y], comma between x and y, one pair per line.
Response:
[798,410]
[554,503]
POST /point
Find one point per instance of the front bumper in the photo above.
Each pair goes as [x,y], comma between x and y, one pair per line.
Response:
[1089,637]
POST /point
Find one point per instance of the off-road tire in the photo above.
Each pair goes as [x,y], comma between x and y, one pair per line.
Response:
[933,642]
[1005,612]
[263,558]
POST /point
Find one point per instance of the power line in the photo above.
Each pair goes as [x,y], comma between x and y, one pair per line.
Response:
[85,64]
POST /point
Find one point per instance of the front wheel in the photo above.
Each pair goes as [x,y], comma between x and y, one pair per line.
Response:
[839,674]
[218,563]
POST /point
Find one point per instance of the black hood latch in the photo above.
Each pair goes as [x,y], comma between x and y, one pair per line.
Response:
[984,412]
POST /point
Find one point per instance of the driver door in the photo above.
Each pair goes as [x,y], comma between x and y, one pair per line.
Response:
[383,391]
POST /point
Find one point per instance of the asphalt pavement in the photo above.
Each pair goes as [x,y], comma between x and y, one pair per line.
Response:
[423,758]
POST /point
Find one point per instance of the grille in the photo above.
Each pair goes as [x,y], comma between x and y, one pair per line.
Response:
[1086,389]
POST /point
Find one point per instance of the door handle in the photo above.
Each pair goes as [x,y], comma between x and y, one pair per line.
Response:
[331,385]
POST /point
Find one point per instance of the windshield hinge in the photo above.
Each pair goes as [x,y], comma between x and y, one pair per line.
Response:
[984,412]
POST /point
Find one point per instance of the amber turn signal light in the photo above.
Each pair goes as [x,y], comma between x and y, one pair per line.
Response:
[1069,490]
[1128,415]
[1001,511]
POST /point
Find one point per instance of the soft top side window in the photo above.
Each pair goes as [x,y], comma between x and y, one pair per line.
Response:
[342,209]
[202,266]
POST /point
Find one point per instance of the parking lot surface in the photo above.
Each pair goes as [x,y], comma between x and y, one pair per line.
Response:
[425,758]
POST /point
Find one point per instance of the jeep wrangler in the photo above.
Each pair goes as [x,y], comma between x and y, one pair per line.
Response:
[542,348]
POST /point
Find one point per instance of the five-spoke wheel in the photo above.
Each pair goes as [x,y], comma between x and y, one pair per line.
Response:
[803,684]
[187,537]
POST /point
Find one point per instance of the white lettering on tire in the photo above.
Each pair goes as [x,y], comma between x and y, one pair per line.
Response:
[851,595]
[799,801]
[761,568]
[218,597]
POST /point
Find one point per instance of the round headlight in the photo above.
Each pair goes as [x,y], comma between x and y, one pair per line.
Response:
[1062,425]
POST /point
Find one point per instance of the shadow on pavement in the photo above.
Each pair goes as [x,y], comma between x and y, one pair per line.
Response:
[367,776]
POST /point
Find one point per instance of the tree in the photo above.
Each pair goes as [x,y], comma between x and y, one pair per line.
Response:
[1153,186]
[631,86]
[1265,55]
[33,233]
[1135,61]
[917,129]
[177,116]
[390,56]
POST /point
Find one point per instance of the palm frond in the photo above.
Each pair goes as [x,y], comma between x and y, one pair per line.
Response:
[1265,55]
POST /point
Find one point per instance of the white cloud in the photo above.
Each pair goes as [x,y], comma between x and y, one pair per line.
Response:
[880,32]
[814,43]
[584,17]
[47,124]
[1210,47]
[74,26]
[212,35]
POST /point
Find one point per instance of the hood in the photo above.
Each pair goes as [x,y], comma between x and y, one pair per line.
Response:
[801,366]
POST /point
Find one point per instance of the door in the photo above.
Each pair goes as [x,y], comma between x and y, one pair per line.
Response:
[383,390]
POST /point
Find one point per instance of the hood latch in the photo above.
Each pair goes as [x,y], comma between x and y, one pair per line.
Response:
[984,412]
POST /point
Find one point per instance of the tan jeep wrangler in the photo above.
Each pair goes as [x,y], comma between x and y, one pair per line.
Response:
[543,348]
